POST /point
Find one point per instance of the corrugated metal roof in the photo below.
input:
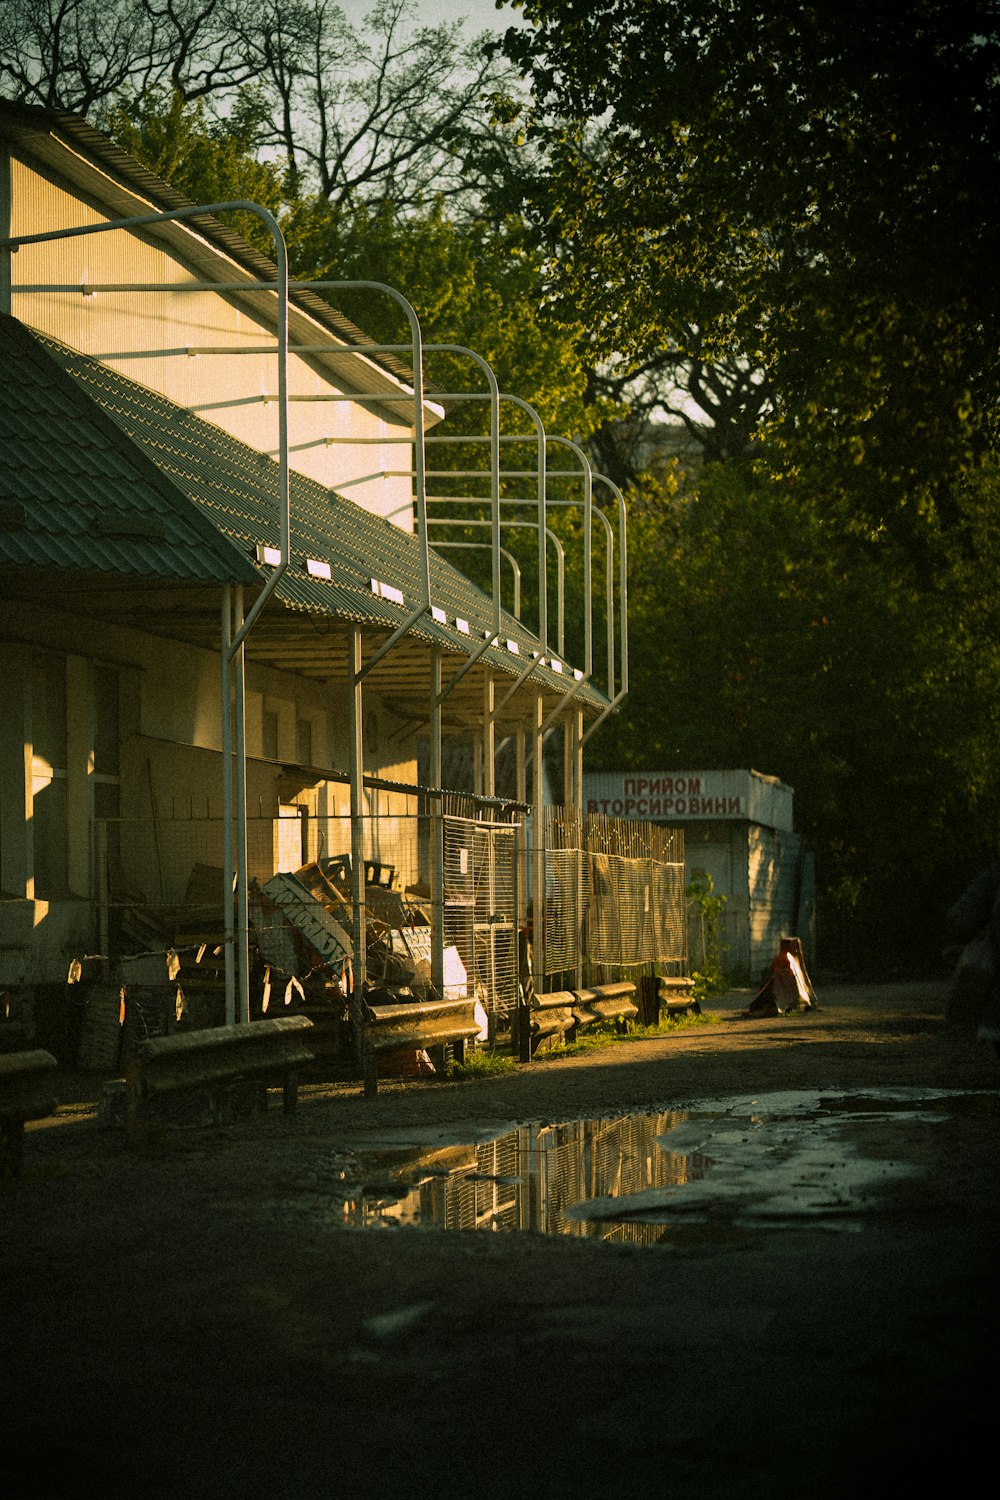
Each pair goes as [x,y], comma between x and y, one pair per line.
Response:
[76,494]
[236,488]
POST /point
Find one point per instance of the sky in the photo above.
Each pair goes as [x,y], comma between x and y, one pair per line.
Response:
[479,15]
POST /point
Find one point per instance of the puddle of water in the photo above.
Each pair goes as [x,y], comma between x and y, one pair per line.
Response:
[679,1178]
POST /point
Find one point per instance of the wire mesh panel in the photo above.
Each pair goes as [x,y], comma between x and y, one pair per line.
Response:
[614,893]
[480,908]
[564,902]
[636,910]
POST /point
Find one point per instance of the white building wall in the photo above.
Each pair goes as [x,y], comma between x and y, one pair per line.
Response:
[720,850]
[342,444]
[738,828]
[774,873]
[170,777]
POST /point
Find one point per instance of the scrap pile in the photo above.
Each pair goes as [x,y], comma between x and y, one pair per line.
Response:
[171,972]
[168,971]
[303,925]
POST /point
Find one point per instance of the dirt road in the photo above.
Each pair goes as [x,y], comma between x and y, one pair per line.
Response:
[197,1319]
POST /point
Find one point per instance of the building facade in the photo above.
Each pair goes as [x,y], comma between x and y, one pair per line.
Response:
[738,829]
[228,644]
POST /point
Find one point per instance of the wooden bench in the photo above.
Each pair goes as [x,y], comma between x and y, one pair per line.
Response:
[206,1059]
[25,1094]
[412,1028]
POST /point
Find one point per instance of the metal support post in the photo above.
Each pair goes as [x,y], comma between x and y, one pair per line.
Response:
[574,722]
[521,793]
[578,757]
[568,761]
[242,873]
[437,830]
[538,837]
[489,735]
[477,763]
[355,717]
[226,708]
[520,765]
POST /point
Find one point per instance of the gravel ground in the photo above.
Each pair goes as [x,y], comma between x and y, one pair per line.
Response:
[194,1319]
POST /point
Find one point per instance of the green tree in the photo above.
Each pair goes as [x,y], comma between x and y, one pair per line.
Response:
[211,161]
[767,633]
[813,189]
[471,283]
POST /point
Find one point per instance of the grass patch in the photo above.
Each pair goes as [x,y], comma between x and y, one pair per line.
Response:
[598,1037]
[480,1063]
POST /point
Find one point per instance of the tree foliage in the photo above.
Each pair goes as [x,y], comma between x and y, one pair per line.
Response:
[813,189]
[359,113]
[369,114]
[771,223]
[82,54]
[808,196]
[212,161]
[470,287]
[768,635]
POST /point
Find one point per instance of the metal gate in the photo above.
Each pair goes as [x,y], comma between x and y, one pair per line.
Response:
[480,910]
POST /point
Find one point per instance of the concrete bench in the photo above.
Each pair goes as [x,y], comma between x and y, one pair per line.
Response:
[412,1028]
[26,1093]
[271,1049]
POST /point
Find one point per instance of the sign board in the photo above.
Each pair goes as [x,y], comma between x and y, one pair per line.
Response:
[680,796]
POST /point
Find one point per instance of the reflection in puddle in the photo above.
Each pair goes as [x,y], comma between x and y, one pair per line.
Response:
[721,1168]
[530,1177]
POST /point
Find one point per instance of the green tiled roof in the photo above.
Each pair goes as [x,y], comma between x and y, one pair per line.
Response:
[76,495]
[236,489]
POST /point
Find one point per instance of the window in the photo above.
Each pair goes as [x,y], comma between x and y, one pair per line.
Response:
[304,742]
[269,731]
